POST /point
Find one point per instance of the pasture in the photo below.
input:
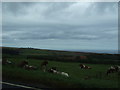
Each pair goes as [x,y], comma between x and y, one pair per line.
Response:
[78,78]
[82,78]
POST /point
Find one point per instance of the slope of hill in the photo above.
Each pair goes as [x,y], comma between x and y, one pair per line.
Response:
[56,55]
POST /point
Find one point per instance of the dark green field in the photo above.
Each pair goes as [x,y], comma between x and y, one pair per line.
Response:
[79,78]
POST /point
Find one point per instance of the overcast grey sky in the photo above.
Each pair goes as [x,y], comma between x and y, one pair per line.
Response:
[65,25]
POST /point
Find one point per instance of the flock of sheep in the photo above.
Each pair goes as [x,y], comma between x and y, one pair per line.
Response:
[24,64]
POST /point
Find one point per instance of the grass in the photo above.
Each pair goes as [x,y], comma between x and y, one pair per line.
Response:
[97,79]
[78,77]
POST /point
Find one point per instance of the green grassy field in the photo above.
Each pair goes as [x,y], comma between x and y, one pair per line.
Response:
[97,77]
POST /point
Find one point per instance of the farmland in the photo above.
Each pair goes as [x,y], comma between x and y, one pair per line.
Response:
[64,61]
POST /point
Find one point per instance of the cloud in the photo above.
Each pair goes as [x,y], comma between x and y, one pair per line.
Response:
[86,22]
[46,13]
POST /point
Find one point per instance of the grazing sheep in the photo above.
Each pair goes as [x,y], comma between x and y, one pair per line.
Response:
[5,61]
[50,70]
[117,68]
[43,65]
[54,68]
[58,72]
[113,69]
[65,74]
[87,67]
[28,67]
[8,62]
[22,64]
[82,66]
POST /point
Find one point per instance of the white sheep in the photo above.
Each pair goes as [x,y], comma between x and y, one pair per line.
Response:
[65,74]
[61,73]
